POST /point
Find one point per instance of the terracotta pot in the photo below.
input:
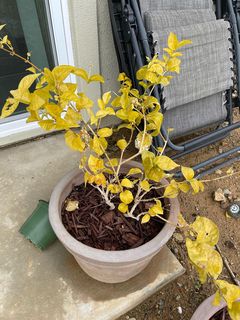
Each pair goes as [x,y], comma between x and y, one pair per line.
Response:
[206,310]
[107,266]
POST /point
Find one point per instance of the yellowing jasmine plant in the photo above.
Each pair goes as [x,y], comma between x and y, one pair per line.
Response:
[57,105]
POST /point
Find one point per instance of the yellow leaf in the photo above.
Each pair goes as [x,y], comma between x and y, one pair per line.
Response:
[47,124]
[36,102]
[143,141]
[95,164]
[114,188]
[33,116]
[96,77]
[113,162]
[155,120]
[105,132]
[72,117]
[165,163]
[184,186]
[61,72]
[122,144]
[8,109]
[171,191]
[145,218]
[81,73]
[31,69]
[217,298]
[184,43]
[172,41]
[27,81]
[106,97]
[72,205]
[205,258]
[152,171]
[234,312]
[98,145]
[100,179]
[196,185]
[181,221]
[74,141]
[134,171]
[122,207]
[83,102]
[22,96]
[188,173]
[207,231]
[127,183]
[126,196]
[230,292]
[2,26]
[144,184]
[156,209]
[106,112]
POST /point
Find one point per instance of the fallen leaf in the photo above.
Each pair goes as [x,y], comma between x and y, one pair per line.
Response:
[72,205]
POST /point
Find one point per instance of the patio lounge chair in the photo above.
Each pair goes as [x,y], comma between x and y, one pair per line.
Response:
[208,88]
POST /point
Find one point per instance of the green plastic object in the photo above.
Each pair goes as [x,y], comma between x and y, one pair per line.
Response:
[37,228]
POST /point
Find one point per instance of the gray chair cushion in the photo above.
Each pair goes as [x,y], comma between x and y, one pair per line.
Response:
[175,18]
[196,115]
[206,65]
[152,5]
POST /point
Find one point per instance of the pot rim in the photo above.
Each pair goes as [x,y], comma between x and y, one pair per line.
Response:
[207,308]
[114,257]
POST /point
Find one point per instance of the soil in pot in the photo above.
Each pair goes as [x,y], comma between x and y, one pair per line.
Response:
[221,315]
[96,226]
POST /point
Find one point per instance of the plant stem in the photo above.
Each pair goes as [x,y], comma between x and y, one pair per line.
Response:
[226,263]
[13,53]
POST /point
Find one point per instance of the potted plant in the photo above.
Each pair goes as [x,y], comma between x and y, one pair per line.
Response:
[115,213]
[208,310]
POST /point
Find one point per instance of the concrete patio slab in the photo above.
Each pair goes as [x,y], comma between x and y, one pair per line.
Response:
[50,285]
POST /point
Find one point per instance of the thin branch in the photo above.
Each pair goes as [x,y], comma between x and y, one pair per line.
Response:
[13,53]
[226,263]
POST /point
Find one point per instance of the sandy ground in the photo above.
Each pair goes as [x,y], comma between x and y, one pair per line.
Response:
[186,293]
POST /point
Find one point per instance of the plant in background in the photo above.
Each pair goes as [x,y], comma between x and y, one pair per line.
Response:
[57,105]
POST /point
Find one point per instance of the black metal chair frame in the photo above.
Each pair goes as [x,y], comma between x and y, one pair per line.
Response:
[133,44]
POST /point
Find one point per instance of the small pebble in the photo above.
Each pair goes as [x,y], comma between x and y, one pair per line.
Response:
[178,298]
[179,309]
[178,237]
[175,250]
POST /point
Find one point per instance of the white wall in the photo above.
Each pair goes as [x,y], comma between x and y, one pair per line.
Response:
[93,42]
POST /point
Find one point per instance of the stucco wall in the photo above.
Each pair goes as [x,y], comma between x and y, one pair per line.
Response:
[93,42]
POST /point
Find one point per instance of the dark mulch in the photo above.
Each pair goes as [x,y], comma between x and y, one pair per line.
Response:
[221,315]
[96,226]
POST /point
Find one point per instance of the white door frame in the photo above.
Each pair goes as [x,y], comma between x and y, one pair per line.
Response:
[15,128]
